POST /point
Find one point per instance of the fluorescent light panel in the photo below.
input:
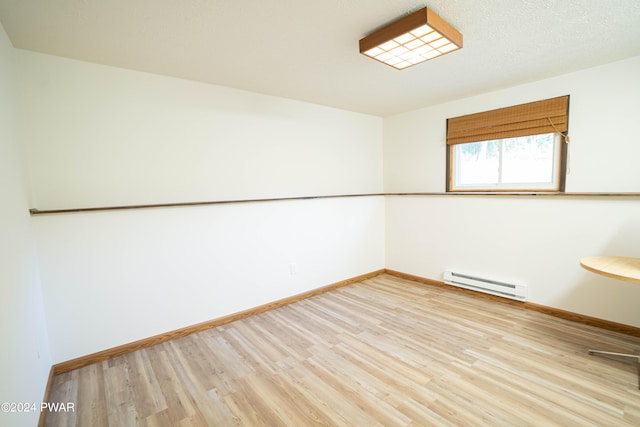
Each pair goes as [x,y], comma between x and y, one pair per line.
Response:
[416,38]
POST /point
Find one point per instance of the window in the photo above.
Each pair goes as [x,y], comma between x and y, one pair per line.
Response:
[525,162]
[520,148]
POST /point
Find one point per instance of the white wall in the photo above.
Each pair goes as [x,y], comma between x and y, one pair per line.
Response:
[115,277]
[538,241]
[100,136]
[535,240]
[603,123]
[25,357]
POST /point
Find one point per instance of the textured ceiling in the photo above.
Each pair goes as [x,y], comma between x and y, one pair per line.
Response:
[308,49]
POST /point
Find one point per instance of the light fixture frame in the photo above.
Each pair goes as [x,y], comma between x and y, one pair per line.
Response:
[424,16]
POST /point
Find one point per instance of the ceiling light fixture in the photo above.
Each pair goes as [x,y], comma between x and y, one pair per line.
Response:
[416,38]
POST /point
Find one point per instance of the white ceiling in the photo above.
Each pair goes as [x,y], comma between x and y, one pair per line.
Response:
[308,49]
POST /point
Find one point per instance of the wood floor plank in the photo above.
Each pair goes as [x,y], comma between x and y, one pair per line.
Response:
[386,351]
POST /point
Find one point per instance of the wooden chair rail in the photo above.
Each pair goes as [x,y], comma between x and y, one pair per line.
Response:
[35,211]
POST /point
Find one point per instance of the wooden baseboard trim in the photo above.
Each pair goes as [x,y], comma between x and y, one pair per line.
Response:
[556,312]
[45,398]
[100,356]
[441,284]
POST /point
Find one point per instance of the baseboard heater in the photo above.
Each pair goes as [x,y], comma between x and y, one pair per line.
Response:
[516,291]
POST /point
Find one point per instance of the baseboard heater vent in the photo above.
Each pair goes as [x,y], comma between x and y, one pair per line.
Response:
[515,291]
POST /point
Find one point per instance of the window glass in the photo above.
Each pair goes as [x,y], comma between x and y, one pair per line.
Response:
[522,163]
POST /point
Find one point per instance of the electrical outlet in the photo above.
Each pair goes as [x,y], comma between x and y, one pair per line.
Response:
[293,269]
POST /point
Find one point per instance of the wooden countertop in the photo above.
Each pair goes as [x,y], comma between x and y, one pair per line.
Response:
[617,267]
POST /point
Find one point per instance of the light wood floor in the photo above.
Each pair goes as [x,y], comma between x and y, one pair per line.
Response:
[383,352]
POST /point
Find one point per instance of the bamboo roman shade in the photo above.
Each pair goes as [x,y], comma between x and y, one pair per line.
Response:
[547,116]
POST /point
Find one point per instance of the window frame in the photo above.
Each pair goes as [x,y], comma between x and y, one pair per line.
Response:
[534,118]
